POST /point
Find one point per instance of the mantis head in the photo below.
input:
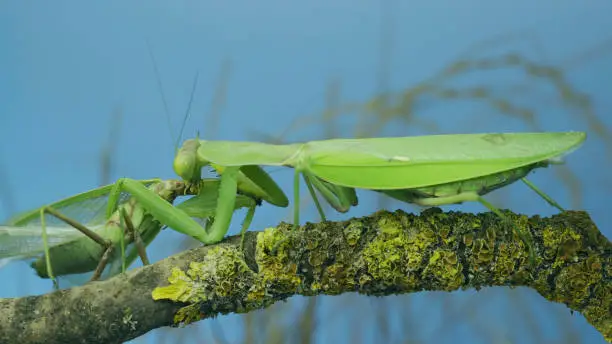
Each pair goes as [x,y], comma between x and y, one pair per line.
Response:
[186,164]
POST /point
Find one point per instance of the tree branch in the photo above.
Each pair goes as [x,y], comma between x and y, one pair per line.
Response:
[383,254]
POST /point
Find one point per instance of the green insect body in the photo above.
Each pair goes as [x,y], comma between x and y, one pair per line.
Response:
[145,212]
[84,254]
[427,170]
[480,185]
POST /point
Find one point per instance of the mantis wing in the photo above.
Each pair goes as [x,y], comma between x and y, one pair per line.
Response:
[26,241]
[21,237]
[419,161]
[399,162]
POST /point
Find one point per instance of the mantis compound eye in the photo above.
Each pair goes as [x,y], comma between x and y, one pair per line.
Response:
[185,163]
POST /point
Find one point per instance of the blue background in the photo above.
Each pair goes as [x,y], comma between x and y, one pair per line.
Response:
[76,81]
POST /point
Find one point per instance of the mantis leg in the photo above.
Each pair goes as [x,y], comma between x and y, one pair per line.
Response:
[46,248]
[107,245]
[136,239]
[225,203]
[133,253]
[542,194]
[102,264]
[473,196]
[296,198]
[296,205]
[307,180]
[246,224]
[339,197]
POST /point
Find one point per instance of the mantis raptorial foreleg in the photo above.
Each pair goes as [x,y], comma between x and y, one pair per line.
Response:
[225,204]
[225,201]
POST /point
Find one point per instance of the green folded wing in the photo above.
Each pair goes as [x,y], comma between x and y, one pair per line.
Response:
[418,161]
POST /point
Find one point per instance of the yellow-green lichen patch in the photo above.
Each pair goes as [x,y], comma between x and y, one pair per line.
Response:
[560,244]
[275,240]
[188,314]
[574,283]
[468,239]
[482,253]
[336,279]
[508,265]
[446,236]
[598,310]
[180,288]
[444,271]
[352,232]
[221,275]
[395,255]
[326,255]
[499,249]
[277,271]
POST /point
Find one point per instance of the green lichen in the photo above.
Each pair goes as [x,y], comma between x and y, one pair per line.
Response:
[188,315]
[509,264]
[334,280]
[272,256]
[446,236]
[560,244]
[574,283]
[395,252]
[222,273]
[468,239]
[443,271]
[352,232]
[180,288]
[599,309]
[394,256]
[482,252]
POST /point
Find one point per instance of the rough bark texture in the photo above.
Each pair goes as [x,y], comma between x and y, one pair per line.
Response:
[383,254]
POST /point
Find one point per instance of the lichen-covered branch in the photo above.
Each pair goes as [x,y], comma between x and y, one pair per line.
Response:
[383,254]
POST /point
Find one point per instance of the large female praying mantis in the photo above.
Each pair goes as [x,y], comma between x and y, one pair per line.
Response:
[427,170]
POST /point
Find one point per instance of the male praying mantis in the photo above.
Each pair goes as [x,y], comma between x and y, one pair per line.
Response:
[75,246]
[426,170]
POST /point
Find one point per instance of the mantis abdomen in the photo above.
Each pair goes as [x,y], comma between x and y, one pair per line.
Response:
[78,256]
[479,185]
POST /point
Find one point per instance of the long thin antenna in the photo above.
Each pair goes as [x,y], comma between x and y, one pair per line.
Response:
[194,86]
[161,90]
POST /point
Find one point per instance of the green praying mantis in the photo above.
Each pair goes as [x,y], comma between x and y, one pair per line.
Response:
[109,220]
[426,170]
